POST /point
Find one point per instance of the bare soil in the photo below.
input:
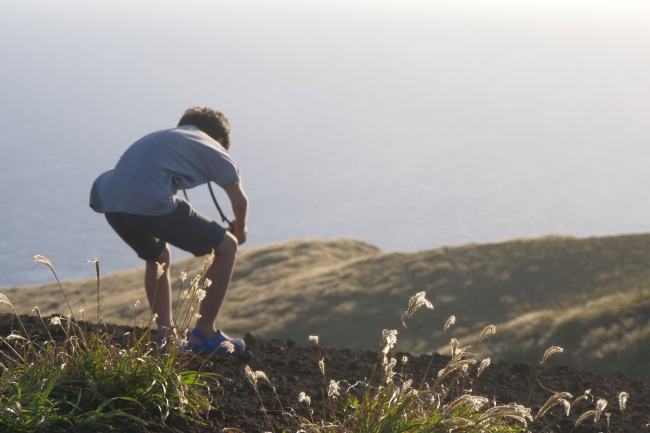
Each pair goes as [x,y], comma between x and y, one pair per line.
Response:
[293,368]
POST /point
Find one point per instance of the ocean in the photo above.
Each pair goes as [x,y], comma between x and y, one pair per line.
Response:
[407,125]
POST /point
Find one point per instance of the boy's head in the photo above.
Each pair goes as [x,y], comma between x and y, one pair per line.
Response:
[210,121]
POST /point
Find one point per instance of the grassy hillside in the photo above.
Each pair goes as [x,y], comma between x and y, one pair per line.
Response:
[611,333]
[588,295]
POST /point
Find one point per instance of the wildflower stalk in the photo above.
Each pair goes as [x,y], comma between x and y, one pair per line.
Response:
[99,313]
[484,364]
[415,302]
[489,330]
[307,400]
[549,352]
[5,300]
[99,305]
[622,402]
[448,323]
[160,271]
[186,317]
[182,277]
[321,365]
[38,312]
[42,260]
[135,318]
[253,376]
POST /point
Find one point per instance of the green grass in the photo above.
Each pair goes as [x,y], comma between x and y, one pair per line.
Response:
[88,384]
[88,380]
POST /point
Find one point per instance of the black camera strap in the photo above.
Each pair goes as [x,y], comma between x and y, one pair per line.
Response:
[216,204]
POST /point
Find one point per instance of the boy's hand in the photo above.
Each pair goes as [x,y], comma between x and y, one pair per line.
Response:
[239,203]
[240,233]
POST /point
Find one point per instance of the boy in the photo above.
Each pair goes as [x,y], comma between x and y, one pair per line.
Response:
[138,199]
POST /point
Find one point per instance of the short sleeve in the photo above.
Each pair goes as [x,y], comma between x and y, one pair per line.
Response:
[222,169]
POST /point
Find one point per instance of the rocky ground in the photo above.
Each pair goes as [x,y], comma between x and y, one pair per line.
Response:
[293,368]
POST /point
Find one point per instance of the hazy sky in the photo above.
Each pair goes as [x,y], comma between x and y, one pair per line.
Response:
[409,125]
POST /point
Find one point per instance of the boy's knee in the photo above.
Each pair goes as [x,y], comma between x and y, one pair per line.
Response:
[164,256]
[228,245]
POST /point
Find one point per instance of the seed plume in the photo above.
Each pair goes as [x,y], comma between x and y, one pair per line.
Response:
[550,352]
[333,389]
[484,364]
[13,336]
[555,399]
[252,377]
[514,411]
[456,363]
[451,321]
[208,262]
[489,330]
[5,300]
[585,396]
[230,348]
[160,270]
[262,375]
[454,346]
[601,404]
[586,415]
[195,282]
[567,406]
[313,339]
[44,261]
[406,386]
[389,369]
[388,340]
[304,397]
[622,400]
[418,300]
[474,402]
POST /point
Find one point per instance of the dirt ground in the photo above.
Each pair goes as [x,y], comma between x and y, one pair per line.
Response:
[293,368]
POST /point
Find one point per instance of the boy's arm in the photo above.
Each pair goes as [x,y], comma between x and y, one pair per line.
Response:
[239,203]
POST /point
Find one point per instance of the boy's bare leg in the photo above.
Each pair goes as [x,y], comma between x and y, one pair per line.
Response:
[220,273]
[159,292]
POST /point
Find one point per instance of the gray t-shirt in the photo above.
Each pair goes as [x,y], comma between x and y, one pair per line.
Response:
[151,171]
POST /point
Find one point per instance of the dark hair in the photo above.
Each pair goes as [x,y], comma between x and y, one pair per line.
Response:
[210,121]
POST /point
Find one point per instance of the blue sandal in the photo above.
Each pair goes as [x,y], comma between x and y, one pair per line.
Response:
[213,345]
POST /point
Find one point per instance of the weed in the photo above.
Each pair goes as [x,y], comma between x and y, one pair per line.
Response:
[444,404]
[89,380]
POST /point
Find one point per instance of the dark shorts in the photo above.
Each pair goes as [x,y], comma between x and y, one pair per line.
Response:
[183,227]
